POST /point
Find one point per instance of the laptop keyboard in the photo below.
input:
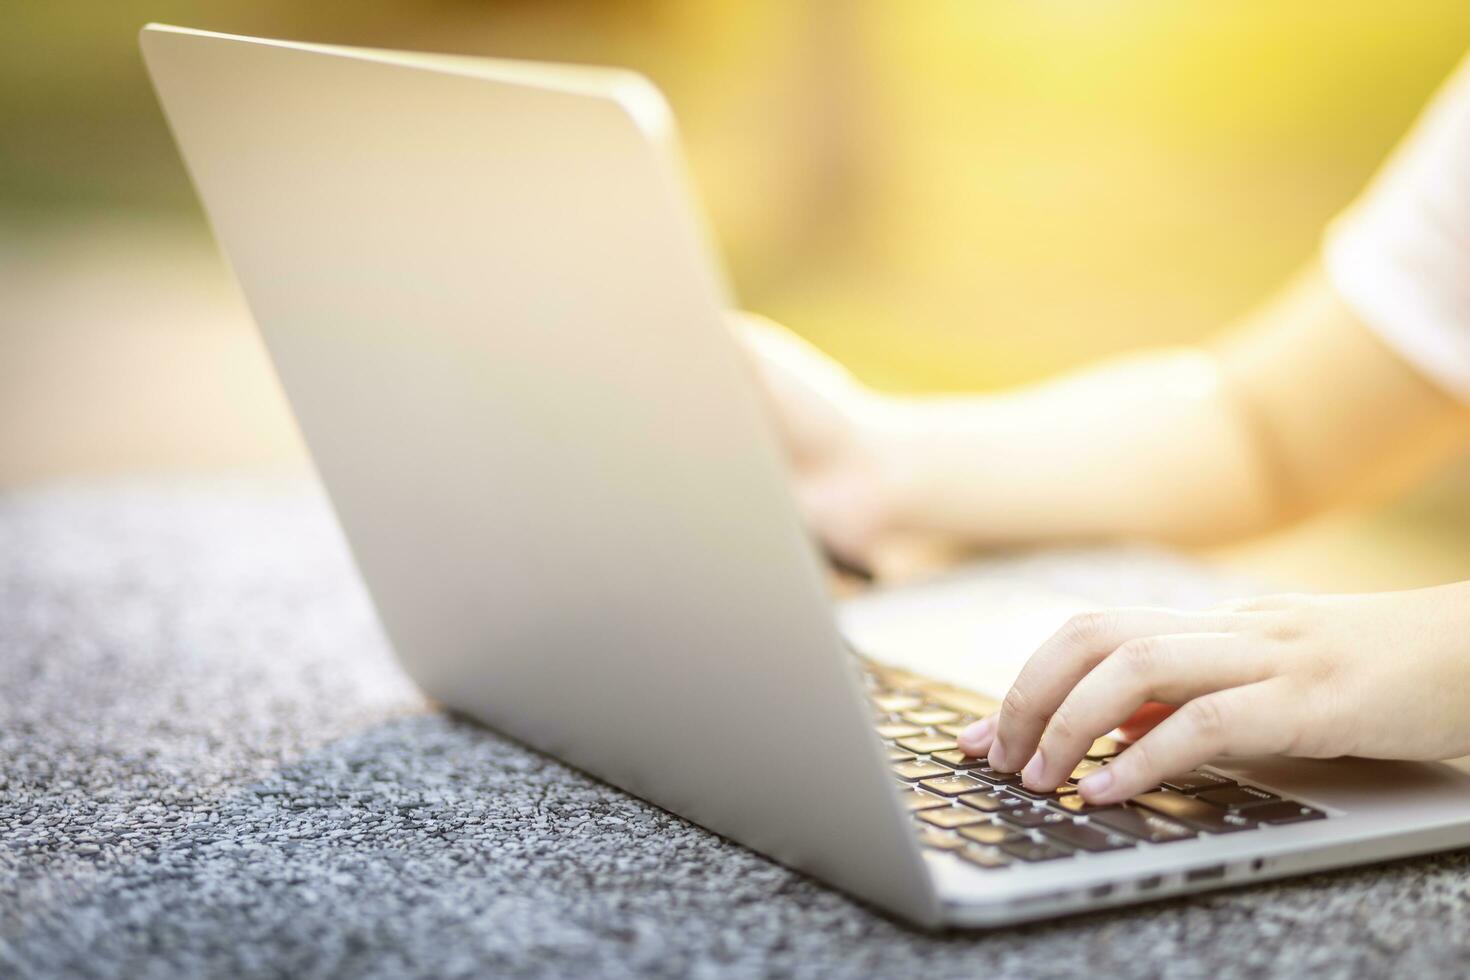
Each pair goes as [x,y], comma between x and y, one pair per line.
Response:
[961,805]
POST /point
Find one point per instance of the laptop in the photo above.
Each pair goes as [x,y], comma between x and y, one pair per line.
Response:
[492,306]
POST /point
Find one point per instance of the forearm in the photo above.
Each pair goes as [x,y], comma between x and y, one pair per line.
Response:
[1300,406]
[1150,446]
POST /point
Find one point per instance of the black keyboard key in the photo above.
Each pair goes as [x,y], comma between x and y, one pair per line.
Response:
[956,759]
[992,802]
[919,769]
[1196,781]
[929,716]
[1084,769]
[914,802]
[989,833]
[1104,748]
[986,857]
[893,702]
[951,817]
[1085,836]
[1284,812]
[894,756]
[1026,849]
[1031,817]
[1044,795]
[939,840]
[1142,824]
[924,744]
[1194,812]
[952,785]
[1075,804]
[958,699]
[995,776]
[1237,797]
[898,730]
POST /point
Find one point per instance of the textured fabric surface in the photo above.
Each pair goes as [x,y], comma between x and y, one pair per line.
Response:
[210,765]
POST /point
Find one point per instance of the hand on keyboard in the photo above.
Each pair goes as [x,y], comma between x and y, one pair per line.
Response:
[964,806]
[1382,676]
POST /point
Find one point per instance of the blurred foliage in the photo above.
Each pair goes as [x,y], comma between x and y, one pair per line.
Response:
[956,193]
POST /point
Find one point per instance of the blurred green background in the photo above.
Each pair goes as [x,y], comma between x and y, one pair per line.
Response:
[954,195]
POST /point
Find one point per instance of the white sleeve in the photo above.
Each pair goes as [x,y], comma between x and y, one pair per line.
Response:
[1400,255]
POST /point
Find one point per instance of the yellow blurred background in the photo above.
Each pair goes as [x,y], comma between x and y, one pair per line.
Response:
[945,195]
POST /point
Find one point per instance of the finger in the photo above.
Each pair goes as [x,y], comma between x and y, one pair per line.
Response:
[1062,661]
[976,739]
[1142,721]
[1173,668]
[1251,720]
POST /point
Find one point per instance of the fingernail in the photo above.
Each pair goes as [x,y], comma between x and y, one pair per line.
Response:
[1034,771]
[997,757]
[976,735]
[1095,785]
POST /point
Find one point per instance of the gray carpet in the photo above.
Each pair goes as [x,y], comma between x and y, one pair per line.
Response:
[210,766]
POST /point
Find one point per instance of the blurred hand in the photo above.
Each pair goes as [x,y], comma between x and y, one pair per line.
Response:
[1382,676]
[832,430]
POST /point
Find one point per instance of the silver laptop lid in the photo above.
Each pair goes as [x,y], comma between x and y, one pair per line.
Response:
[490,308]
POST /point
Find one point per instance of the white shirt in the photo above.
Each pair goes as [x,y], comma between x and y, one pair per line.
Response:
[1400,255]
